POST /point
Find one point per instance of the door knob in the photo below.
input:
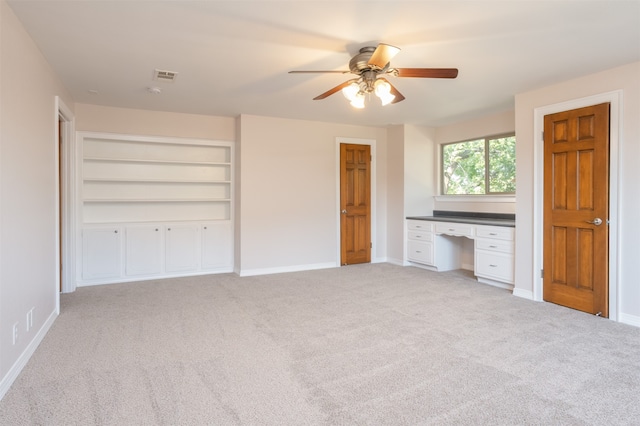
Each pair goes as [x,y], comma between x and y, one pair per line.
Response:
[343,212]
[597,221]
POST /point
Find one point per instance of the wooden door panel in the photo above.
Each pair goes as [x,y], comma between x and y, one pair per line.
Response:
[559,181]
[355,203]
[559,258]
[585,254]
[576,191]
[585,196]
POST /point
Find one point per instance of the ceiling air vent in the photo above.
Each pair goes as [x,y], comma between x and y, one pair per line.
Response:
[164,75]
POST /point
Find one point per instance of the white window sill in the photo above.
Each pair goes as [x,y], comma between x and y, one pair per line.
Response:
[476,198]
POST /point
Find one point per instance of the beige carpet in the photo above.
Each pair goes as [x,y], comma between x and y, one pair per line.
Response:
[358,345]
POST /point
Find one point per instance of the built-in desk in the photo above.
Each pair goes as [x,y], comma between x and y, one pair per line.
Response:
[434,242]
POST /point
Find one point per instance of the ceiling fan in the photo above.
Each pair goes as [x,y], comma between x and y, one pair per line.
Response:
[371,64]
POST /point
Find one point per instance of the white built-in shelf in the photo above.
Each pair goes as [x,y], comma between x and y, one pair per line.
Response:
[153,161]
[128,179]
[159,181]
[158,200]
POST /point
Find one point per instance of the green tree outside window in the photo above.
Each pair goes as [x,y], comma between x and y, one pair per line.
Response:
[481,166]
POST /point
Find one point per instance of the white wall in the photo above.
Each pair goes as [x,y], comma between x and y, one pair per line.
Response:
[395,195]
[95,118]
[411,181]
[28,190]
[626,79]
[420,170]
[289,190]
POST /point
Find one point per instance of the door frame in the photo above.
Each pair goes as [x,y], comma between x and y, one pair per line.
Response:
[65,190]
[372,144]
[615,132]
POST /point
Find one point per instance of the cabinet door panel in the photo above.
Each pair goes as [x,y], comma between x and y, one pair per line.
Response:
[217,245]
[455,229]
[419,225]
[182,248]
[499,232]
[421,252]
[101,255]
[143,250]
[497,266]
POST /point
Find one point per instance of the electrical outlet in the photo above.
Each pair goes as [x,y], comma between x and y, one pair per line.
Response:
[30,319]
[15,333]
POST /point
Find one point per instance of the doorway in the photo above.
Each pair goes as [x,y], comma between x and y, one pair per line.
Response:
[355,204]
[614,98]
[576,209]
[65,197]
[356,197]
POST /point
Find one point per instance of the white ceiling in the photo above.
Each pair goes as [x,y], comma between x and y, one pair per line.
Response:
[233,57]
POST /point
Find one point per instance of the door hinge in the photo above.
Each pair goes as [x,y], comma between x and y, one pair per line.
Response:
[543,136]
[370,245]
[541,273]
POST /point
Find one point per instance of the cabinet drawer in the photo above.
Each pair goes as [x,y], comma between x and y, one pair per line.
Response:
[421,252]
[459,229]
[494,245]
[420,225]
[498,232]
[420,236]
[493,265]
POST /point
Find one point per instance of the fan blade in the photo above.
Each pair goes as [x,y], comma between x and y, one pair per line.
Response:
[398,96]
[427,72]
[334,90]
[382,55]
[310,72]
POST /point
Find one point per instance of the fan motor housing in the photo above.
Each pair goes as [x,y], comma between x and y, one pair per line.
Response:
[360,62]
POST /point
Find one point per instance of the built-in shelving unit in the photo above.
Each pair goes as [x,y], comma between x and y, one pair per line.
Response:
[134,184]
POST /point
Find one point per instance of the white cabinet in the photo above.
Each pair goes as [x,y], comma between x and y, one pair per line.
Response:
[420,242]
[494,259]
[217,245]
[182,247]
[101,253]
[454,229]
[439,245]
[143,250]
[171,200]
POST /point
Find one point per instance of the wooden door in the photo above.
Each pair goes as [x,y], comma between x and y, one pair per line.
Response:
[576,207]
[355,204]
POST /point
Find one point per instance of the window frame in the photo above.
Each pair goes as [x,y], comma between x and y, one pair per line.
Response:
[486,166]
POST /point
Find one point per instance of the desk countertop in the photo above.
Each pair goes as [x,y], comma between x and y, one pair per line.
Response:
[468,219]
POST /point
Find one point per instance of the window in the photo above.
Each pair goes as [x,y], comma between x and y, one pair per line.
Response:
[480,166]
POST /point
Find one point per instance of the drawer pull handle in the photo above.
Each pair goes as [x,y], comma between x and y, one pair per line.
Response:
[452,229]
[494,266]
[493,233]
[493,246]
[418,251]
[418,236]
[418,226]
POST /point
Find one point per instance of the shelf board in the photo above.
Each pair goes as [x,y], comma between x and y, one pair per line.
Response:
[203,221]
[149,161]
[142,180]
[156,200]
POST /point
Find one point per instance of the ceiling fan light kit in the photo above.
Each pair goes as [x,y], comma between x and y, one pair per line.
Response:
[370,64]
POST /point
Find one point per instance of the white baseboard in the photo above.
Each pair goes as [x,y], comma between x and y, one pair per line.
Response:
[630,319]
[495,283]
[282,269]
[119,280]
[398,262]
[525,294]
[22,360]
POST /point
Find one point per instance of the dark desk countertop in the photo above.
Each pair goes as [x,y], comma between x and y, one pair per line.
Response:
[468,219]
